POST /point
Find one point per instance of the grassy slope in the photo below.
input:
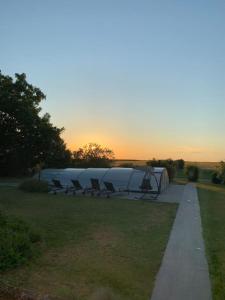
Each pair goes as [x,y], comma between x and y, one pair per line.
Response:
[90,243]
[212,202]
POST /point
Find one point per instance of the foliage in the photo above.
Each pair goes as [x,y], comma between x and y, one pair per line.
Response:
[221,171]
[127,165]
[180,163]
[192,173]
[17,242]
[216,178]
[34,186]
[169,164]
[26,137]
[93,155]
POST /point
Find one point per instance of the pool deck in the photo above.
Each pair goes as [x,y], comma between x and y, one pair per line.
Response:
[183,274]
[173,194]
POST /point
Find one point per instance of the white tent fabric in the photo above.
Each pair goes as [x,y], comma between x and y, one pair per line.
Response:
[97,173]
[162,178]
[125,179]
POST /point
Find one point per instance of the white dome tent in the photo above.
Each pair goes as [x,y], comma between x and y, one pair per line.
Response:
[123,179]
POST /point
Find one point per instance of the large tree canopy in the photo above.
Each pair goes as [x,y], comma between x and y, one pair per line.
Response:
[26,137]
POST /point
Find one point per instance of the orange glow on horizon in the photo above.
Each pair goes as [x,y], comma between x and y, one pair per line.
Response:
[137,152]
[134,147]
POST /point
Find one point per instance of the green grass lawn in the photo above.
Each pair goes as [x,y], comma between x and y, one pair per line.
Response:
[212,202]
[13,179]
[205,175]
[90,244]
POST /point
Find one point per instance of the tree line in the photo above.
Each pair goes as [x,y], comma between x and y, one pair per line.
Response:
[29,140]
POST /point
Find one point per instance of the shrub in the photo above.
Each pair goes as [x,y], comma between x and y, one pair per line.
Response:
[192,173]
[17,242]
[169,164]
[221,171]
[180,163]
[126,165]
[34,186]
[216,179]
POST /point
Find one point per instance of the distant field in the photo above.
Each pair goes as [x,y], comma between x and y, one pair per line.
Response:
[202,165]
[90,244]
[119,162]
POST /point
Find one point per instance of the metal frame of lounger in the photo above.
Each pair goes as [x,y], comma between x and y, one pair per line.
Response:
[77,187]
[58,187]
[95,187]
[109,188]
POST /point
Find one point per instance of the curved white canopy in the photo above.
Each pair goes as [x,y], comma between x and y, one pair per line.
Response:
[128,179]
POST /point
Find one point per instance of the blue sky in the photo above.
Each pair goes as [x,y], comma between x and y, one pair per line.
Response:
[145,78]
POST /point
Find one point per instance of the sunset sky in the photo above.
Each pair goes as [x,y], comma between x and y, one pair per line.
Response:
[144,78]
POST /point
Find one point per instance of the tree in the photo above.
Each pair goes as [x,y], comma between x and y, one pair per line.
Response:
[180,164]
[26,138]
[219,176]
[93,155]
[192,173]
[216,178]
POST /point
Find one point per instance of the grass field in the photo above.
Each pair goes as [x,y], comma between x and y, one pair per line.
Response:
[205,175]
[202,165]
[90,244]
[5,180]
[212,202]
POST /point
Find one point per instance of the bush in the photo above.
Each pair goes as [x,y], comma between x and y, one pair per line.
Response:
[17,242]
[192,173]
[126,165]
[180,163]
[169,164]
[34,186]
[221,171]
[216,178]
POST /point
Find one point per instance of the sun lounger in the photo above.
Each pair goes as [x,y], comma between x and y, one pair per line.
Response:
[109,188]
[58,187]
[77,187]
[95,187]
